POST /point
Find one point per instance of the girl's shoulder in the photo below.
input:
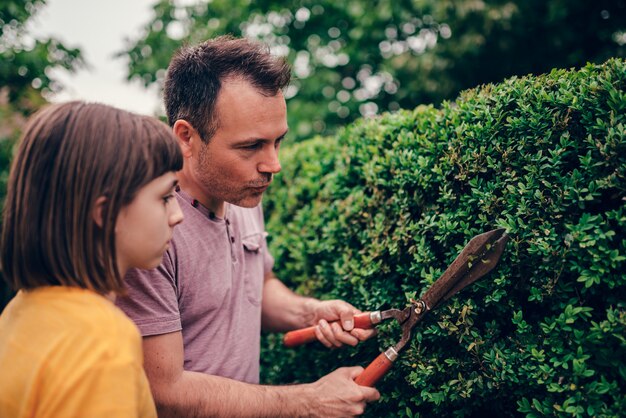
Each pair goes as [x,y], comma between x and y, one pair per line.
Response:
[70,313]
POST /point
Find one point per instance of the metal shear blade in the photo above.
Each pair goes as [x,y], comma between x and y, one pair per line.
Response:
[479,257]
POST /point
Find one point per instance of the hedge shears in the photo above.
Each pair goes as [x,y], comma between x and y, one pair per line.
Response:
[480,256]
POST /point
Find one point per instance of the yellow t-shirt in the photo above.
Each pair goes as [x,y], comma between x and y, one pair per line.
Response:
[68,352]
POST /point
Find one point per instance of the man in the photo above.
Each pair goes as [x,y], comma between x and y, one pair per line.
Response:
[201,312]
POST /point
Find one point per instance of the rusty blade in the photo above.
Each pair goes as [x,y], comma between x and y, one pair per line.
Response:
[479,256]
[480,266]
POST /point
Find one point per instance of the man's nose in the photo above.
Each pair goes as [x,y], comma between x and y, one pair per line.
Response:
[270,163]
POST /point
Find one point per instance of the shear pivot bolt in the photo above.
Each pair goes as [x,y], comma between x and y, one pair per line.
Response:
[421,307]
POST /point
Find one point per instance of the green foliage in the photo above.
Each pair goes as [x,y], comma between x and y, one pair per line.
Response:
[25,65]
[25,62]
[376,215]
[354,58]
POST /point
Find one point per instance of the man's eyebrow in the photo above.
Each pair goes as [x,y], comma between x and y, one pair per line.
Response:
[283,135]
[254,140]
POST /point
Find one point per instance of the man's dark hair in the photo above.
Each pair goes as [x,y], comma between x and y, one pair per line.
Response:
[195,75]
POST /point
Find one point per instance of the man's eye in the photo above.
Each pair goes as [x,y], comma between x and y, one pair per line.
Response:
[254,146]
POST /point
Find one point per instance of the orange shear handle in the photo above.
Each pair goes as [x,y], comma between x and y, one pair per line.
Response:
[306,335]
[377,368]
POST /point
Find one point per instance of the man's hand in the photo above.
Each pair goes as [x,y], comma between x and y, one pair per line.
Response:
[283,310]
[334,324]
[337,395]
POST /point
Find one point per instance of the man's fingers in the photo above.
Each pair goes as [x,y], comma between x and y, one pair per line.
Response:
[337,334]
[354,371]
[370,394]
[328,333]
[363,334]
[347,318]
[320,334]
[346,338]
[342,336]
[340,331]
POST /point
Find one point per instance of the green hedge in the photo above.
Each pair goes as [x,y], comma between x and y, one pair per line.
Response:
[376,214]
[12,120]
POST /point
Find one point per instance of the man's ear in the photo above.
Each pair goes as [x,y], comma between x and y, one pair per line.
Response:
[98,209]
[185,134]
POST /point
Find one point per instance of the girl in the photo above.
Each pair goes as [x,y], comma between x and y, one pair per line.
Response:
[90,195]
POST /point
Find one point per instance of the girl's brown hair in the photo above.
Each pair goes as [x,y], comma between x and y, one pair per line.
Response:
[70,155]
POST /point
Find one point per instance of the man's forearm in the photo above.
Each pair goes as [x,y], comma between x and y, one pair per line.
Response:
[283,310]
[197,395]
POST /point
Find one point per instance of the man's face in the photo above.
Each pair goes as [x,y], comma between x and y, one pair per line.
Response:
[238,163]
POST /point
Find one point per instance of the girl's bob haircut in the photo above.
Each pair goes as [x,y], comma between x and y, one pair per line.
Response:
[70,155]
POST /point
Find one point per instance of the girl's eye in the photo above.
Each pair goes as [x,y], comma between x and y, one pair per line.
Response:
[167,198]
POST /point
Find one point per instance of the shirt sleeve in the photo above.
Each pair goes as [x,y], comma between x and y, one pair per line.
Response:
[151,300]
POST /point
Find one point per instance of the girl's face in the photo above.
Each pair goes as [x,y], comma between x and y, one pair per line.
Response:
[144,227]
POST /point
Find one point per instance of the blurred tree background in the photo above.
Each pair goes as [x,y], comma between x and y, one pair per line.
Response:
[26,62]
[350,58]
[358,58]
[25,79]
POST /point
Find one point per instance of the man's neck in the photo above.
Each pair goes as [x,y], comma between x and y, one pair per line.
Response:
[218,207]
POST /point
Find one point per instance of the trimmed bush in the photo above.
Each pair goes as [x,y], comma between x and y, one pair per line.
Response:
[375,215]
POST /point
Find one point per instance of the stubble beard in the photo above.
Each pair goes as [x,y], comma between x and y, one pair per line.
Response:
[218,188]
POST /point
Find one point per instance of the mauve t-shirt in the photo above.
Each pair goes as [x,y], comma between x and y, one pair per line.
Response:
[209,285]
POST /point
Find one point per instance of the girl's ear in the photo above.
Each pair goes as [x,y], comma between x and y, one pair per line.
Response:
[98,209]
